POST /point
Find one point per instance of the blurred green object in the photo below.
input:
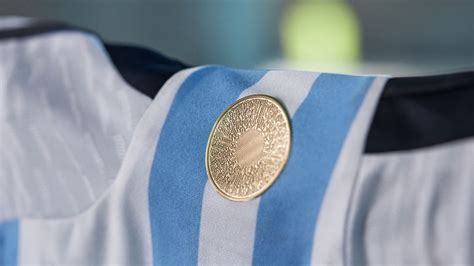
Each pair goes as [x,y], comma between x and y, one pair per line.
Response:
[321,31]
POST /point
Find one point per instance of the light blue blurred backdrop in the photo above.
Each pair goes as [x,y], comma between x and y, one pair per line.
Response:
[396,36]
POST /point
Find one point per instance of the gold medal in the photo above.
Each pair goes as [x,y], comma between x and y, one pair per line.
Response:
[248,147]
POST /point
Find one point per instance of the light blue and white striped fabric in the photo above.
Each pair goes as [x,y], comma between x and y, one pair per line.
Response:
[160,209]
[278,228]
[111,177]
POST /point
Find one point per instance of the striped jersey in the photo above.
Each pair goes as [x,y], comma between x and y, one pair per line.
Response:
[96,170]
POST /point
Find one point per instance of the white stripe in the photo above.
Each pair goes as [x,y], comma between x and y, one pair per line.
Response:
[228,228]
[38,113]
[116,229]
[329,234]
[414,207]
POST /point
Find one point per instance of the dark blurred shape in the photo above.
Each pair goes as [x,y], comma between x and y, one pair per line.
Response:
[416,112]
[142,68]
[432,33]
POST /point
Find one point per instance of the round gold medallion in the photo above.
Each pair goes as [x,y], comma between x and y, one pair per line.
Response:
[248,147]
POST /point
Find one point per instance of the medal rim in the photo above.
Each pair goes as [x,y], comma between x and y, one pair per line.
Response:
[286,157]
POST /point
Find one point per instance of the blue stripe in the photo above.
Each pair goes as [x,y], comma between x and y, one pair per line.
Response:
[9,243]
[178,174]
[288,211]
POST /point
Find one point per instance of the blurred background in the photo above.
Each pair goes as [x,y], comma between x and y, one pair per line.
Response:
[398,37]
